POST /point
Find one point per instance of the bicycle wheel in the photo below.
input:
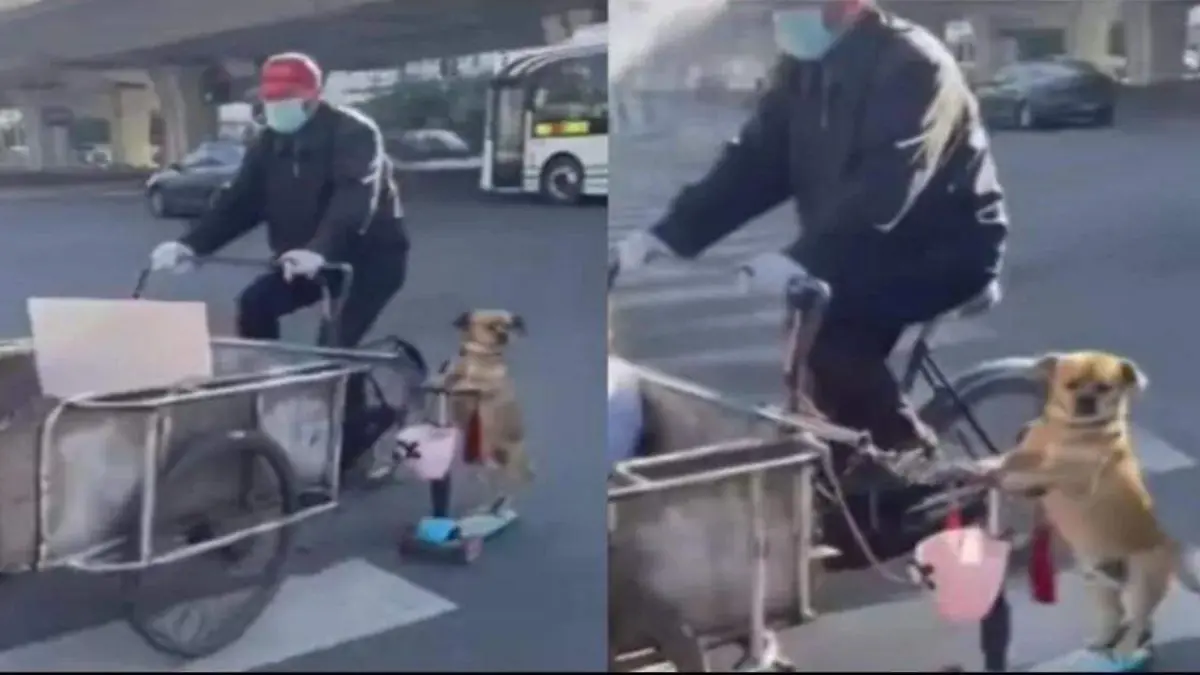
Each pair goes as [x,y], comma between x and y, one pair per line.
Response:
[393,394]
[984,412]
[209,487]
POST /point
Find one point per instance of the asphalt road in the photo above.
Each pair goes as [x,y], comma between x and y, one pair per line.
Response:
[534,601]
[1102,255]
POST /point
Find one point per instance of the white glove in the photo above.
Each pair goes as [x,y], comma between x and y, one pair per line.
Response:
[636,251]
[171,256]
[769,273]
[300,262]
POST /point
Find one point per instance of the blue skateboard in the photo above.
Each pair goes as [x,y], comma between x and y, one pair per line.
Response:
[1097,661]
[462,537]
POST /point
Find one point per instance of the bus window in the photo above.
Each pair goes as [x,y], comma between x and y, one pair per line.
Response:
[571,98]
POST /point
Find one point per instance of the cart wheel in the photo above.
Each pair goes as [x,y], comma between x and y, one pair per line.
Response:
[212,486]
[680,645]
[471,549]
[407,543]
[394,386]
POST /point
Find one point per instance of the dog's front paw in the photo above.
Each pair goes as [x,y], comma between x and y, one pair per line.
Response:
[1130,643]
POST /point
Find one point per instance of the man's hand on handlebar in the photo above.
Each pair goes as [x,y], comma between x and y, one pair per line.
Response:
[770,273]
[301,263]
[172,256]
[634,252]
[177,257]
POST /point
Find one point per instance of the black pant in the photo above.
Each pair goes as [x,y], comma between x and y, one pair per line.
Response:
[377,277]
[852,382]
[853,385]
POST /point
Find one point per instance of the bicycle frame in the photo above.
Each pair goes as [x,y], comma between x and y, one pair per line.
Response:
[921,364]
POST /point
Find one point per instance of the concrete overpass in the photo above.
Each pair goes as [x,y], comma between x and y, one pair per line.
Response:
[131,58]
[1154,32]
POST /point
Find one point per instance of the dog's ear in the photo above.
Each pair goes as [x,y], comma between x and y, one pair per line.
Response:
[517,324]
[1132,376]
[463,321]
[1046,367]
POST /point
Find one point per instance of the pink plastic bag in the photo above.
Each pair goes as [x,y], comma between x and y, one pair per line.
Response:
[967,567]
[428,450]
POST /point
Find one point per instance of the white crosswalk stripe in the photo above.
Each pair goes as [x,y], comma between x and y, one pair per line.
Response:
[300,620]
[917,640]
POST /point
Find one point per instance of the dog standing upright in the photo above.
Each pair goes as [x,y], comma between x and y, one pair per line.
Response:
[481,390]
[1078,460]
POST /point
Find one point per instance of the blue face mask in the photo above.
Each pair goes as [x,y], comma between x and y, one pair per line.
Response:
[285,116]
[802,34]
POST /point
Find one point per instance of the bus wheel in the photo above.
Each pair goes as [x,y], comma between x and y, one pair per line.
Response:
[562,180]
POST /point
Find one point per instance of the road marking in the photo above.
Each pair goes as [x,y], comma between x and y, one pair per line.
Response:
[756,318]
[67,193]
[1158,456]
[349,601]
[448,164]
[835,643]
[640,298]
[678,272]
[948,335]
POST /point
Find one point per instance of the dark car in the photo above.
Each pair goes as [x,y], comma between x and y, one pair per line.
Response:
[187,188]
[423,145]
[1034,94]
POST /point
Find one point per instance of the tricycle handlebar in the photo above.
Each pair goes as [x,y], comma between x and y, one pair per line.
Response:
[331,305]
[805,299]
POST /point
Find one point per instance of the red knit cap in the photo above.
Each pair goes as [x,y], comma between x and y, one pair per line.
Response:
[290,75]
[840,13]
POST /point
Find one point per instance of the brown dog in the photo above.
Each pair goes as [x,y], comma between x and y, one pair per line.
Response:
[480,379]
[1078,460]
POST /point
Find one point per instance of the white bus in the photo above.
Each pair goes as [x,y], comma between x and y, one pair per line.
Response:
[547,122]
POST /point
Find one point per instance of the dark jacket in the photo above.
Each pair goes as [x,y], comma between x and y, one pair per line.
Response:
[328,188]
[832,135]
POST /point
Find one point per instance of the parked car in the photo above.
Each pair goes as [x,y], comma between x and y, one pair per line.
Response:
[421,145]
[98,156]
[1033,94]
[188,188]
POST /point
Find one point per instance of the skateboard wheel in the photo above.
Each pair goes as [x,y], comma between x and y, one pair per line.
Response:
[471,549]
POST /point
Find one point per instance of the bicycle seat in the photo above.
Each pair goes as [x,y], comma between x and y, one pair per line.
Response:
[981,303]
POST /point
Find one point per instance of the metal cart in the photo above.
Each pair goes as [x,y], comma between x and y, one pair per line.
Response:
[191,493]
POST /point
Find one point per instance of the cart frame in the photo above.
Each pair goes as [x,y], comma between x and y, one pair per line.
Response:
[248,411]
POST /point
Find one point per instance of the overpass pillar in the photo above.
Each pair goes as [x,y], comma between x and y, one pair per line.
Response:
[45,133]
[131,110]
[992,49]
[1089,28]
[187,118]
[1155,38]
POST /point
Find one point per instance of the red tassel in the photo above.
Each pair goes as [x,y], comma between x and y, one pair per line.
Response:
[1041,567]
[473,442]
[954,519]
